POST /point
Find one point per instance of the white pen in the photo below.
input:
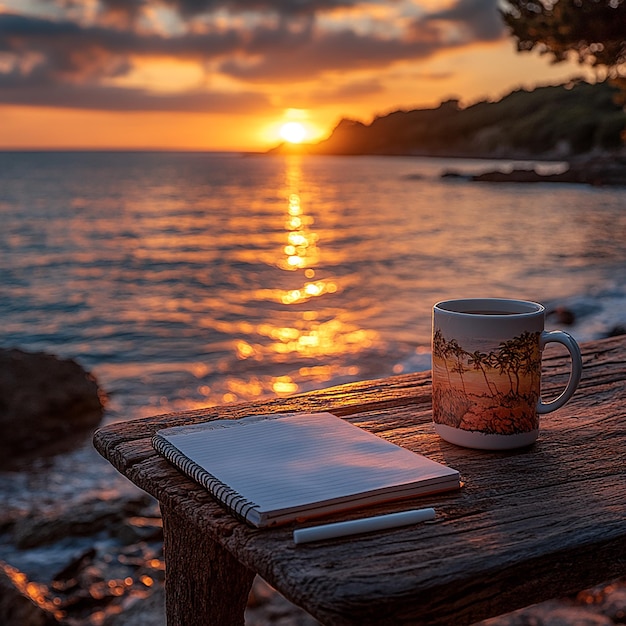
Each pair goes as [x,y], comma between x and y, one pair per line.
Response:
[365,525]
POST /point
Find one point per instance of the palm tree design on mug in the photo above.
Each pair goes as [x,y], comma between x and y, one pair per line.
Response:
[492,390]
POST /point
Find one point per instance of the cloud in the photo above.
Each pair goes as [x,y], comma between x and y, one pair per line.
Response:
[131,11]
[333,91]
[81,59]
[66,49]
[102,98]
[479,19]
[297,57]
[189,8]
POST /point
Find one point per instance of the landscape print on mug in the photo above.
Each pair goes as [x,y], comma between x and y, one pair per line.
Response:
[487,386]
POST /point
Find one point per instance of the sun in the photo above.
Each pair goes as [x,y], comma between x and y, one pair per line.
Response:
[293,132]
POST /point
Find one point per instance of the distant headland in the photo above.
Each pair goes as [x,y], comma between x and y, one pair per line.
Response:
[578,122]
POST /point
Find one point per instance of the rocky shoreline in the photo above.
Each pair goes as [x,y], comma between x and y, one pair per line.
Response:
[597,171]
[117,578]
[112,568]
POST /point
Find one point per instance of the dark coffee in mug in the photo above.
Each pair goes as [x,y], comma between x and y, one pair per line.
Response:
[487,312]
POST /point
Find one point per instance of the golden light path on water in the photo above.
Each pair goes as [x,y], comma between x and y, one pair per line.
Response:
[308,335]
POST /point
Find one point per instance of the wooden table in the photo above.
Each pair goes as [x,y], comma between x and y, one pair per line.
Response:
[527,525]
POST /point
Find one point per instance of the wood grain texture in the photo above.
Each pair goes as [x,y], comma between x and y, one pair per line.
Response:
[527,526]
[205,581]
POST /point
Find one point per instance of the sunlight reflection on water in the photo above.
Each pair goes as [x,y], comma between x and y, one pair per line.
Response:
[191,280]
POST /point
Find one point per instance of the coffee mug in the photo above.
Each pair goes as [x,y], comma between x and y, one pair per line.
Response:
[486,358]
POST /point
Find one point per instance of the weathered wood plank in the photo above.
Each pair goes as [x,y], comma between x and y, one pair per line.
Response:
[527,525]
[206,585]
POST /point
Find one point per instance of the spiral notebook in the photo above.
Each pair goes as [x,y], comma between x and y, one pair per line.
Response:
[274,469]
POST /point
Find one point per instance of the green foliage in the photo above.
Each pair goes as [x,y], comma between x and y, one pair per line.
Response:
[609,130]
[592,30]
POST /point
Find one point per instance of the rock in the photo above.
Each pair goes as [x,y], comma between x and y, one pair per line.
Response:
[118,563]
[600,170]
[616,331]
[17,605]
[72,569]
[47,405]
[451,174]
[122,517]
[551,613]
[608,599]
[514,176]
[597,171]
[562,315]
[148,611]
[267,607]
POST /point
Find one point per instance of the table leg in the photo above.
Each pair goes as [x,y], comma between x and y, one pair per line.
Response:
[204,583]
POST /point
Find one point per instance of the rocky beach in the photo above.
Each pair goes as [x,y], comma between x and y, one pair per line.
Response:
[597,170]
[113,572]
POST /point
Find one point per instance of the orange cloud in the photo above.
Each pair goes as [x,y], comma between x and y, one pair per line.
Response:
[81,60]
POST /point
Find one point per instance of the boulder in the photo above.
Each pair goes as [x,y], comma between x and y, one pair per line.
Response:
[47,405]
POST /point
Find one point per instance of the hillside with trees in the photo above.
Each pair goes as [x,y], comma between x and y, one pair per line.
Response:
[548,122]
[582,123]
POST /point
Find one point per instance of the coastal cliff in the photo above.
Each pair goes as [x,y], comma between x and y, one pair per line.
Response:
[556,122]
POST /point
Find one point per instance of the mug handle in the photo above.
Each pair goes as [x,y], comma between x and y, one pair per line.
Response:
[569,342]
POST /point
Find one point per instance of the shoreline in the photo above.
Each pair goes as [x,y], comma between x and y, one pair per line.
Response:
[597,171]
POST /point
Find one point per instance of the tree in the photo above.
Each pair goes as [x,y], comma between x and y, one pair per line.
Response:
[457,351]
[478,360]
[593,31]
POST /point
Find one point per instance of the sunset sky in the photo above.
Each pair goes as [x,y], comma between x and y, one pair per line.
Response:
[228,74]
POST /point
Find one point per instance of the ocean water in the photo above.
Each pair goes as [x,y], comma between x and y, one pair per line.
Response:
[184,280]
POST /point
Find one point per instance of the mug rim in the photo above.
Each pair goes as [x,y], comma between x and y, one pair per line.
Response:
[528,307]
